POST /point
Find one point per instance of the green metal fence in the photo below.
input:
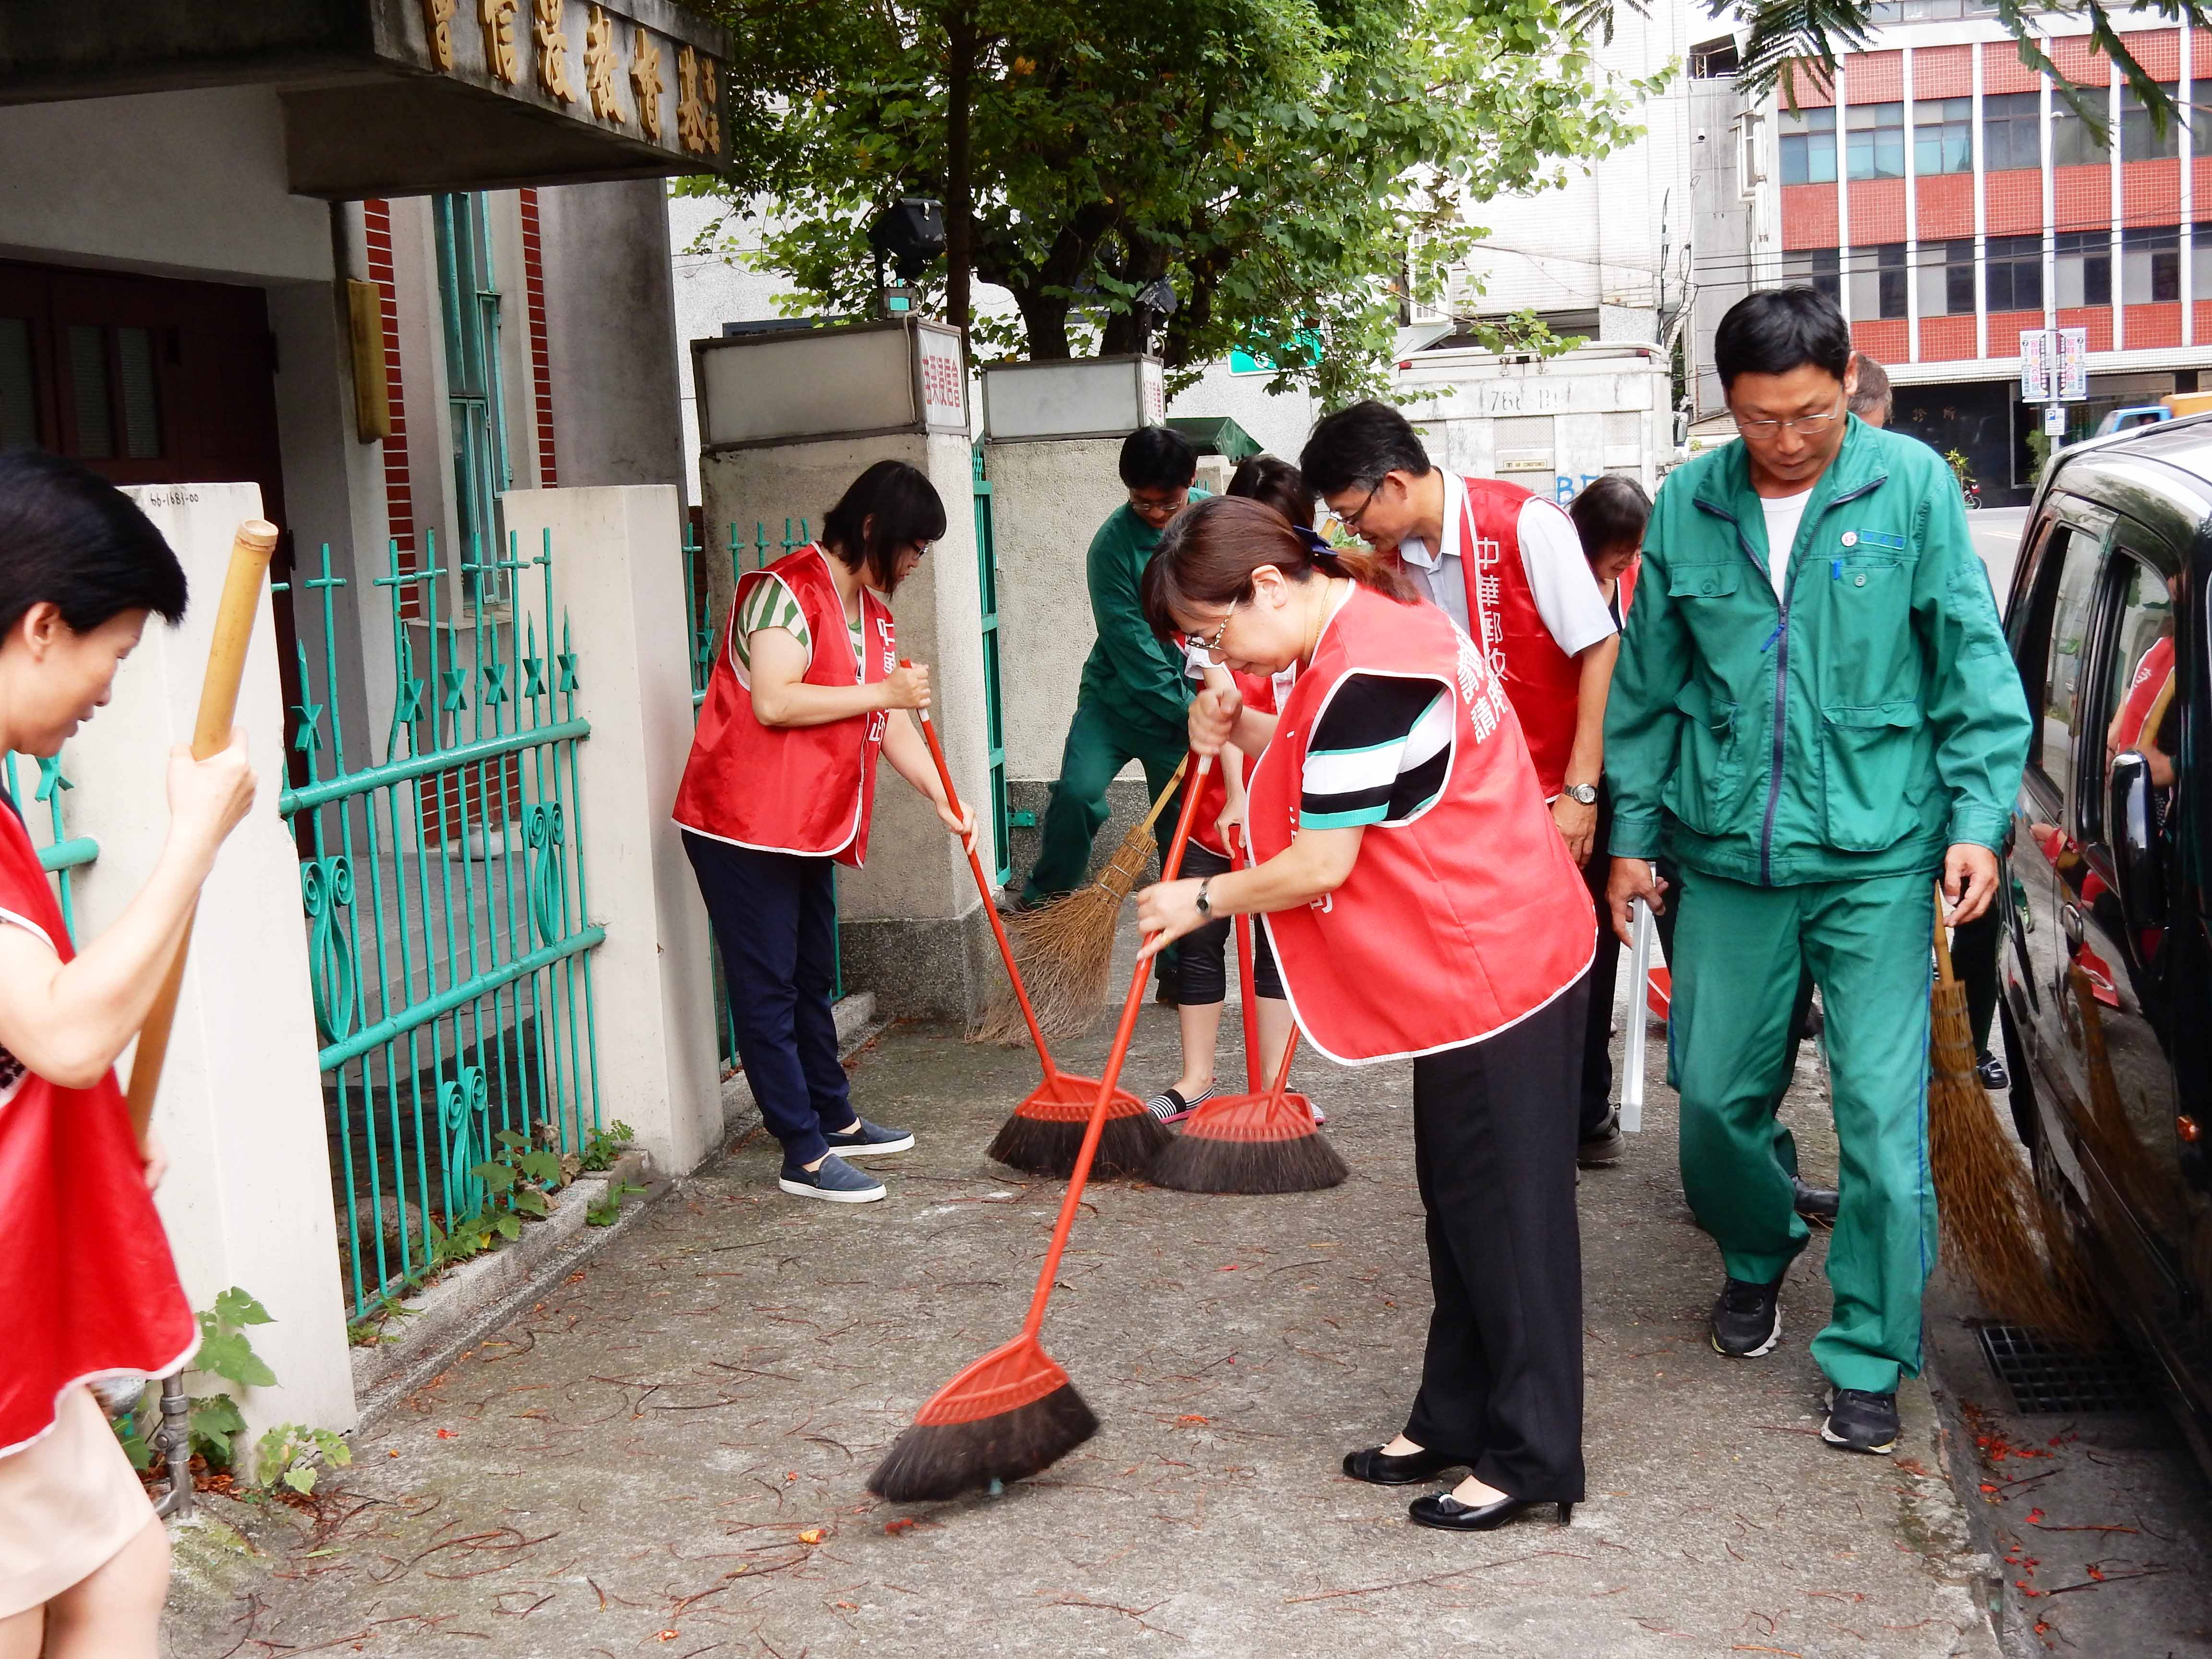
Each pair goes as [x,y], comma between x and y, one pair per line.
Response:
[994,722]
[60,853]
[444,888]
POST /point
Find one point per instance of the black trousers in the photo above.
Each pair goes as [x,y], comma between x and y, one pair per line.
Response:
[1605,970]
[1200,969]
[1494,1154]
[1974,959]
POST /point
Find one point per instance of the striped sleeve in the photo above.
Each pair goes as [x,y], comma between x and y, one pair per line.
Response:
[770,604]
[1380,755]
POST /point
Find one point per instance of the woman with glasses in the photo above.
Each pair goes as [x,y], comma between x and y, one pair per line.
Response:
[779,791]
[1422,906]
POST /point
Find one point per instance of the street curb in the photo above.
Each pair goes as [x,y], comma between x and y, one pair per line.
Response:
[479,1296]
[1945,1527]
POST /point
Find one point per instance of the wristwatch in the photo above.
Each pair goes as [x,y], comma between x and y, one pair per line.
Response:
[1583,793]
[1203,907]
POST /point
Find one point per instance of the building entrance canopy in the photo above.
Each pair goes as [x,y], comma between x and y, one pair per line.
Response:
[405,97]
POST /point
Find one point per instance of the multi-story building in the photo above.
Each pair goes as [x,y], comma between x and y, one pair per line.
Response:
[1948,198]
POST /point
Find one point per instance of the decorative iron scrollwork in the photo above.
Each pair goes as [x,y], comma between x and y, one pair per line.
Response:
[333,979]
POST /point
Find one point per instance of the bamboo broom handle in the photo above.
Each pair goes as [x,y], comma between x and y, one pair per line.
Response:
[234,632]
[1943,974]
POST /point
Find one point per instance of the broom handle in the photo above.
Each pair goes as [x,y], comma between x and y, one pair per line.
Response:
[983,886]
[1092,1131]
[1943,973]
[1283,1070]
[1252,1078]
[234,632]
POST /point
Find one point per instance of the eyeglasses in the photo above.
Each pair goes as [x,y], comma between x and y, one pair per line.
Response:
[1211,646]
[1156,510]
[1351,521]
[1808,425]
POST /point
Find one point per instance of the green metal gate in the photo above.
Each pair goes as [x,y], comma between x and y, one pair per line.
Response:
[445,903]
[986,581]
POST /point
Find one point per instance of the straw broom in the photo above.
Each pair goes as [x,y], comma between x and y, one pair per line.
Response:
[1994,1224]
[1066,948]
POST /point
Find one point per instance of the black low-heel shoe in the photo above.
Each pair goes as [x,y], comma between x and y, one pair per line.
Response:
[1446,1514]
[1378,1468]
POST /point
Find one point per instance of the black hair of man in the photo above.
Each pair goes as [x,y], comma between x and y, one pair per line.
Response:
[883,510]
[69,537]
[1611,511]
[1872,397]
[1779,329]
[1359,447]
[1273,482]
[1158,458]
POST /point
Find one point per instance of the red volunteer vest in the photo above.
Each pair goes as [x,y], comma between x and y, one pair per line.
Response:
[1258,692]
[1453,925]
[1544,682]
[805,789]
[85,1272]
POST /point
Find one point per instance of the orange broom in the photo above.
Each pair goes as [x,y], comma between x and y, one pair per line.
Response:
[1048,1129]
[1014,1411]
[1063,1098]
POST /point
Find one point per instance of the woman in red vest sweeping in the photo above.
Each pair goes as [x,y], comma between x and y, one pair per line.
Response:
[86,1280]
[1422,905]
[780,789]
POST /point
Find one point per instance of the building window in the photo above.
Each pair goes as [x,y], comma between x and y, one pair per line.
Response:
[1943,134]
[1878,277]
[1714,60]
[2012,131]
[2150,265]
[469,299]
[1748,172]
[2084,267]
[1809,146]
[2073,142]
[1818,269]
[2200,262]
[2140,138]
[1873,141]
[1946,278]
[2013,273]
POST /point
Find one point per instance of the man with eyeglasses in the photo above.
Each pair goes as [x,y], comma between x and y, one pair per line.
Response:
[1814,717]
[1134,700]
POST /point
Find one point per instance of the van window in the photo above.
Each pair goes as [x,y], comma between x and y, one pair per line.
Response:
[2073,552]
[2138,707]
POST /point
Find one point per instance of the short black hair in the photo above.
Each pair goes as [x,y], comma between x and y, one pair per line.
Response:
[1158,458]
[69,537]
[1873,396]
[1361,446]
[1779,329]
[1273,482]
[1609,511]
[881,511]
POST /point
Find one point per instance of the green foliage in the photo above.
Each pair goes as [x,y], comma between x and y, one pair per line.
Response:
[215,1422]
[286,1455]
[1961,468]
[1297,170]
[602,1147]
[136,1444]
[608,1210]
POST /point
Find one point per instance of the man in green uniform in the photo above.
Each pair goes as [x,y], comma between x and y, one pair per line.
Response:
[1135,696]
[1814,714]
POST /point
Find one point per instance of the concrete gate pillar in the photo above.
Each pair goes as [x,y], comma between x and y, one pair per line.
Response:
[1052,434]
[786,419]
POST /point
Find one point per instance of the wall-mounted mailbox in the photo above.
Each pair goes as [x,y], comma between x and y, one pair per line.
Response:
[1077,397]
[849,381]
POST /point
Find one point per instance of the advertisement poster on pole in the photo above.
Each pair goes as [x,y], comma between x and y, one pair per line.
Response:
[2038,365]
[2073,364]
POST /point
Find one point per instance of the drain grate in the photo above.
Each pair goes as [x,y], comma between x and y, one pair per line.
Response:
[2045,1376]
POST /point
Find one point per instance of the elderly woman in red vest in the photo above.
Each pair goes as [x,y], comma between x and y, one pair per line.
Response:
[90,1291]
[1422,906]
[780,789]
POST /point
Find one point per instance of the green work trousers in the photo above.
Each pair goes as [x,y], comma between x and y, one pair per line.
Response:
[1099,744]
[1867,943]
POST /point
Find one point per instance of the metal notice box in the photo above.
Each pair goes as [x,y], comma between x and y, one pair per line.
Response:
[850,380]
[1072,398]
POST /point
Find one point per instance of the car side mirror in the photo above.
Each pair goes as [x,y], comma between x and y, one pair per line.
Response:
[2130,826]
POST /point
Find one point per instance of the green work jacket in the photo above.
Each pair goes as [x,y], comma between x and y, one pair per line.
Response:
[1856,727]
[1138,679]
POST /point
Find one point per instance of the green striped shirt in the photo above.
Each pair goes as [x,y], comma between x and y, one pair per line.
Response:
[772,605]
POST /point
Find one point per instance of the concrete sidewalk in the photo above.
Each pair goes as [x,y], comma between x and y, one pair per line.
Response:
[667,1454]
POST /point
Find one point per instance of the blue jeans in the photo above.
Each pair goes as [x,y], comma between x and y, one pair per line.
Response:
[775,920]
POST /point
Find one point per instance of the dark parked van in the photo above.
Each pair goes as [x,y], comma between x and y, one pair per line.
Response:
[2107,974]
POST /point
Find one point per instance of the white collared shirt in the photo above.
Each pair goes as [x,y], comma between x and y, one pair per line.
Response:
[1559,580]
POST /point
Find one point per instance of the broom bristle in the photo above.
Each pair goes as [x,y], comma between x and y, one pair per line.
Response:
[933,1460]
[1048,1145]
[1250,1144]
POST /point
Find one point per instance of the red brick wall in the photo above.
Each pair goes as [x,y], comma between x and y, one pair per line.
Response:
[1810,94]
[398,485]
[2200,60]
[2098,320]
[541,360]
[1882,339]
[2081,198]
[2080,62]
[1877,211]
[1947,339]
[1945,205]
[2005,328]
[2201,165]
[2153,325]
[2150,193]
[2003,71]
[1874,77]
[2013,201]
[1943,72]
[1809,215]
[2203,309]
[2159,53]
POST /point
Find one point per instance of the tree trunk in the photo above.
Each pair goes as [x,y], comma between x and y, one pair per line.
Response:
[1045,318]
[959,239]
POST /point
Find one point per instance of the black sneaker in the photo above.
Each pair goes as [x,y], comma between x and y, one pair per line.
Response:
[1818,1204]
[832,1179]
[1859,1421]
[1747,1319]
[1991,1071]
[1169,1107]
[1603,1148]
[870,1140]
